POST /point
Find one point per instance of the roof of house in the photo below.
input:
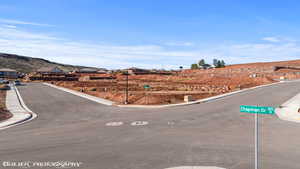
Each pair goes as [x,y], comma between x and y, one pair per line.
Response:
[7,70]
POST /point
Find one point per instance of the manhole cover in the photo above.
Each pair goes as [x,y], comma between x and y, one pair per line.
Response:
[139,123]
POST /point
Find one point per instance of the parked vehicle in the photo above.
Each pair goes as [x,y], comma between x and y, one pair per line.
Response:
[17,83]
[4,82]
[4,87]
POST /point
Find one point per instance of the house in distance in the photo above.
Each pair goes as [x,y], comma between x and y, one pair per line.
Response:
[8,73]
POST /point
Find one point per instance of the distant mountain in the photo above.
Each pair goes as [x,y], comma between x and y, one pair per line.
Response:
[28,64]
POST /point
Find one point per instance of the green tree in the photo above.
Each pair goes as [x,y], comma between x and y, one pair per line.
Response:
[223,64]
[215,62]
[201,62]
[194,66]
[219,63]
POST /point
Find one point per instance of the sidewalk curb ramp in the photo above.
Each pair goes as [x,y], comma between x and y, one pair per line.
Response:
[289,110]
[16,106]
[80,94]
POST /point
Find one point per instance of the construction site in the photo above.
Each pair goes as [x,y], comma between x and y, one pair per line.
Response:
[145,87]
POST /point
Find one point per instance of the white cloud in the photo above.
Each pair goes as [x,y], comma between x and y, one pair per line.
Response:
[259,52]
[10,26]
[101,55]
[17,22]
[18,41]
[179,44]
[271,39]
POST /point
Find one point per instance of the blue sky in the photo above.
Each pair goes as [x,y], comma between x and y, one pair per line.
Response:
[150,33]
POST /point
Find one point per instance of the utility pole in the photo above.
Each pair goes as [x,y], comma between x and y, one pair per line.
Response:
[126,90]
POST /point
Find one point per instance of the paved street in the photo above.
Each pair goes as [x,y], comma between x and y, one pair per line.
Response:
[71,128]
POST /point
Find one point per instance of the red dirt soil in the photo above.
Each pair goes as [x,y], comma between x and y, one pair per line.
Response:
[163,89]
[4,114]
[166,89]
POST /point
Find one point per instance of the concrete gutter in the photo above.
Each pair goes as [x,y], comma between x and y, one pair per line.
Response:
[289,110]
[16,106]
[80,94]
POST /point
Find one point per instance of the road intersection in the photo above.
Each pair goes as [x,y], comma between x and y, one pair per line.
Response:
[71,128]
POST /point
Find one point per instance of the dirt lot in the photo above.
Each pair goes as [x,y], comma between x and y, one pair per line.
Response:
[163,89]
[167,89]
[4,114]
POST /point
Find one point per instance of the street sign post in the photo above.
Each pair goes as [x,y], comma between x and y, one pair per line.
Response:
[256,110]
[146,87]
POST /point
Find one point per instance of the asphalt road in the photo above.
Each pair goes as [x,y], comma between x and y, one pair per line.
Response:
[71,128]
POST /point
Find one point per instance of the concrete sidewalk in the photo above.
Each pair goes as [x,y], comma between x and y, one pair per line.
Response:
[18,109]
[80,94]
[289,110]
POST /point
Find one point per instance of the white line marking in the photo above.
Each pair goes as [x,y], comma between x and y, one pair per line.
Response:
[139,123]
[114,124]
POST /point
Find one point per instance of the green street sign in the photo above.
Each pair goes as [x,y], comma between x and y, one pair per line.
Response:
[257,110]
[146,87]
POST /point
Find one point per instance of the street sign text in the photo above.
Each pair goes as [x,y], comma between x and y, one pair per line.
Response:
[257,109]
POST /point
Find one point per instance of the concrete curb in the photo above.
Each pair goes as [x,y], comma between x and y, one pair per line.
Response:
[289,110]
[110,103]
[201,100]
[20,112]
[86,96]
